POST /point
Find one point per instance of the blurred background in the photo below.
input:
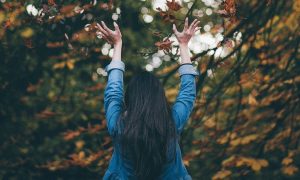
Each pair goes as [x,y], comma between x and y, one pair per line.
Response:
[245,123]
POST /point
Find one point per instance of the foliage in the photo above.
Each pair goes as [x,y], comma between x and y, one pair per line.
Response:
[246,117]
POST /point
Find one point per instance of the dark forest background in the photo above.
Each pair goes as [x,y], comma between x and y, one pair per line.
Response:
[246,121]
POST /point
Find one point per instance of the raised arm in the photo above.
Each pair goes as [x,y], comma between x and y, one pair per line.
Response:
[187,92]
[113,94]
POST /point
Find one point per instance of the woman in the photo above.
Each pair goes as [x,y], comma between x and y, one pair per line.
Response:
[145,129]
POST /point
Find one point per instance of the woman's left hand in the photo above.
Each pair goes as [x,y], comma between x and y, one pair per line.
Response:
[112,37]
[187,32]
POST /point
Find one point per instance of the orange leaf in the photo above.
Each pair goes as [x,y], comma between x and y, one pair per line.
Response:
[45,114]
[287,161]
[229,10]
[71,134]
[51,2]
[164,45]
[167,17]
[210,123]
[68,9]
[289,170]
[222,174]
[173,5]
[252,100]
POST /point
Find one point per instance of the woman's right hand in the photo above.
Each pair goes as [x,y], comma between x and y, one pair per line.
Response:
[187,32]
[112,37]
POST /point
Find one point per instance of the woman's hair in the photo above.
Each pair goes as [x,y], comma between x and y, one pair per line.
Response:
[148,130]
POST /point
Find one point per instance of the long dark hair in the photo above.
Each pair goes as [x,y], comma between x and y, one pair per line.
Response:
[148,130]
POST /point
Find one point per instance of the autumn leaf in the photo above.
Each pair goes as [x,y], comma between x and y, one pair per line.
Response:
[223,139]
[255,164]
[70,64]
[289,170]
[252,100]
[222,12]
[210,123]
[164,45]
[167,17]
[230,7]
[235,142]
[45,114]
[67,10]
[79,144]
[70,135]
[27,32]
[33,87]
[239,161]
[81,155]
[2,17]
[7,5]
[7,24]
[248,139]
[171,93]
[51,2]
[173,5]
[286,161]
[229,10]
[229,161]
[59,65]
[221,174]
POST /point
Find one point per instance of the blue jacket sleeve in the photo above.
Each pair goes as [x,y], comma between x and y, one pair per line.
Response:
[113,94]
[185,99]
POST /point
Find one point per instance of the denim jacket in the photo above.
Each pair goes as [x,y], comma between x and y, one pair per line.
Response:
[113,103]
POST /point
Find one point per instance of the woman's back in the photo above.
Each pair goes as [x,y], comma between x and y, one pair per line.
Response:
[145,129]
[122,167]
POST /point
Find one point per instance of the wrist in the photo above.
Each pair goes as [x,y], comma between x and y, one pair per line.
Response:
[117,51]
[183,45]
[118,44]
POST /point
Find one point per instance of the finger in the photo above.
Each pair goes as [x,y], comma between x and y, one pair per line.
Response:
[117,27]
[105,27]
[106,38]
[186,24]
[103,31]
[192,24]
[196,29]
[175,29]
[195,25]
